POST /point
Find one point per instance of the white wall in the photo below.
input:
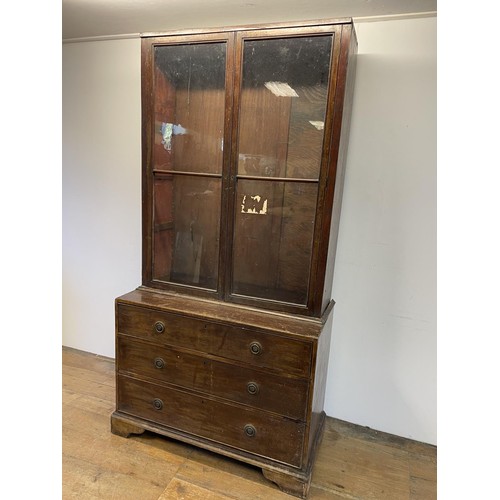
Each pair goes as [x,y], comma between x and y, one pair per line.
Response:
[101,187]
[383,357]
[383,365]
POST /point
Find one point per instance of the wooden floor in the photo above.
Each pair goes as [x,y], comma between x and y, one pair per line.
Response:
[353,462]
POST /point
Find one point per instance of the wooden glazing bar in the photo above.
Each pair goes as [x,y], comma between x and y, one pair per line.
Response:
[276,179]
[182,172]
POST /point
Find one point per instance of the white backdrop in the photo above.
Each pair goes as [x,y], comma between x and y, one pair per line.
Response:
[383,356]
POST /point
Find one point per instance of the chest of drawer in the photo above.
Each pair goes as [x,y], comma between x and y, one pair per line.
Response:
[246,429]
[255,347]
[246,385]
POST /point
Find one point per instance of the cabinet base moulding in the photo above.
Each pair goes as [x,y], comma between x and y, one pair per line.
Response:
[124,427]
[290,480]
[293,485]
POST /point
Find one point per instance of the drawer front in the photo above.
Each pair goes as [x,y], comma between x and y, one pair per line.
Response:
[283,395]
[249,430]
[240,344]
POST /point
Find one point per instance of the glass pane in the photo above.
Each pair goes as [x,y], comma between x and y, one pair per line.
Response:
[186,229]
[283,105]
[274,226]
[189,107]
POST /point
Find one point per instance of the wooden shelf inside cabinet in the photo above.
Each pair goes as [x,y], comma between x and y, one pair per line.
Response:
[244,138]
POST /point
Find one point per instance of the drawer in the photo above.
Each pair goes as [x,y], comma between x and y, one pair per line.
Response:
[233,342]
[266,391]
[259,433]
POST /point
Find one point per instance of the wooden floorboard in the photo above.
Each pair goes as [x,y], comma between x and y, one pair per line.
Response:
[353,462]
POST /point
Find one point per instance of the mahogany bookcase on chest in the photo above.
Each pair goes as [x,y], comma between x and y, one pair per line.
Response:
[225,344]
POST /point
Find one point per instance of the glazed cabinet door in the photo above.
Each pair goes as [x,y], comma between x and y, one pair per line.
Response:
[281,117]
[185,94]
[237,129]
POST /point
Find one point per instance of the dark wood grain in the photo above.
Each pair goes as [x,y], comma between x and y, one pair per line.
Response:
[263,127]
[227,341]
[147,139]
[293,326]
[296,486]
[336,169]
[226,347]
[275,436]
[327,24]
[315,407]
[198,151]
[282,395]
[323,202]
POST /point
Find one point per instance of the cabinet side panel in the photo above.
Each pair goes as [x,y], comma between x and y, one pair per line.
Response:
[319,386]
[349,74]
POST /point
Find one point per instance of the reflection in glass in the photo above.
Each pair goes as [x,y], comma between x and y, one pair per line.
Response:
[273,234]
[186,230]
[283,106]
[189,107]
[189,101]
